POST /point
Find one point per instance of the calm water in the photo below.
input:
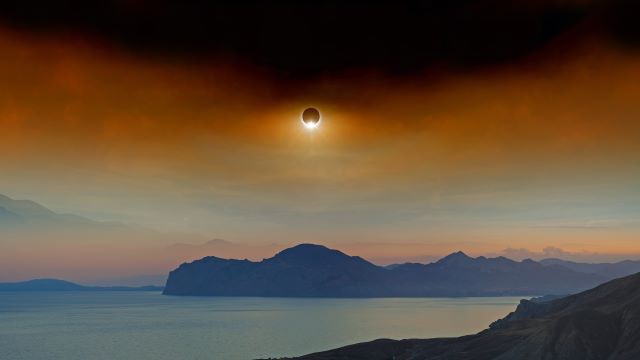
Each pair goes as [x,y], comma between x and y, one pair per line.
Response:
[145,325]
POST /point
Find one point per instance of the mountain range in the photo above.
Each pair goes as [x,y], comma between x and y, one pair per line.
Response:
[606,270]
[598,324]
[309,270]
[62,285]
[28,223]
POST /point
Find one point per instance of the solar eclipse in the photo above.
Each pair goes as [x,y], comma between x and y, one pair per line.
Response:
[310,118]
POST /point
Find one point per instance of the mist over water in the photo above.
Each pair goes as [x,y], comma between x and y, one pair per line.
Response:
[147,325]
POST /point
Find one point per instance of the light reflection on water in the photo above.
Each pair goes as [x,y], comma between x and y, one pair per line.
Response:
[147,325]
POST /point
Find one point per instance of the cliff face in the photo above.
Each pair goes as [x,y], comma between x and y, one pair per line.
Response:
[316,271]
[598,324]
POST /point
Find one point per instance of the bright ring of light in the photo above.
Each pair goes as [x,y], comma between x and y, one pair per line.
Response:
[310,118]
[310,125]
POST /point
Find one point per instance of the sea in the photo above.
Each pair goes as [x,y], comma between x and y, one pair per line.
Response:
[150,326]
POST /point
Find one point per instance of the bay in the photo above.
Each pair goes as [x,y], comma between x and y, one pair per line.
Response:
[150,326]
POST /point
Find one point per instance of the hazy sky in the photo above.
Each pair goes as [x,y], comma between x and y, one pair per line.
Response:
[536,152]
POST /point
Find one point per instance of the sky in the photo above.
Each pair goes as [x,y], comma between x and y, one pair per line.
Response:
[477,126]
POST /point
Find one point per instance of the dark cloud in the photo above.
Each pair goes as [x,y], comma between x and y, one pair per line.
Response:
[621,20]
[310,37]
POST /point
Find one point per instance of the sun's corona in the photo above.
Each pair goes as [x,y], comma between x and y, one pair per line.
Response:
[310,118]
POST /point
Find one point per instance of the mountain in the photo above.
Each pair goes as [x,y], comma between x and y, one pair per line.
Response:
[17,214]
[606,270]
[460,275]
[302,271]
[62,285]
[60,243]
[598,324]
[309,270]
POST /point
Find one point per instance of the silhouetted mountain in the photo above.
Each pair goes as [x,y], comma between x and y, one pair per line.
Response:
[606,270]
[304,270]
[601,323]
[316,271]
[62,285]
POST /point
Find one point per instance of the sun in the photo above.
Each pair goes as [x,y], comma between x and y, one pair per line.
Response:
[310,126]
[310,118]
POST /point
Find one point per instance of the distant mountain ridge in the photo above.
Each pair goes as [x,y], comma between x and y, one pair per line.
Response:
[607,270]
[27,214]
[309,270]
[599,324]
[63,285]
[27,210]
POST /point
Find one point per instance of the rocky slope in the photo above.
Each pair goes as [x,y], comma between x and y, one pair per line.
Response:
[598,324]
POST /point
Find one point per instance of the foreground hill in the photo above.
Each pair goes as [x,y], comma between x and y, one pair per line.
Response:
[602,323]
[315,271]
[62,285]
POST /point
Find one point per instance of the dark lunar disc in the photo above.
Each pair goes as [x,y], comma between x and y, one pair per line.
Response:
[311,116]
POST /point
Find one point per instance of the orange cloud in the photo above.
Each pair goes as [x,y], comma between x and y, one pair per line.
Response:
[217,148]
